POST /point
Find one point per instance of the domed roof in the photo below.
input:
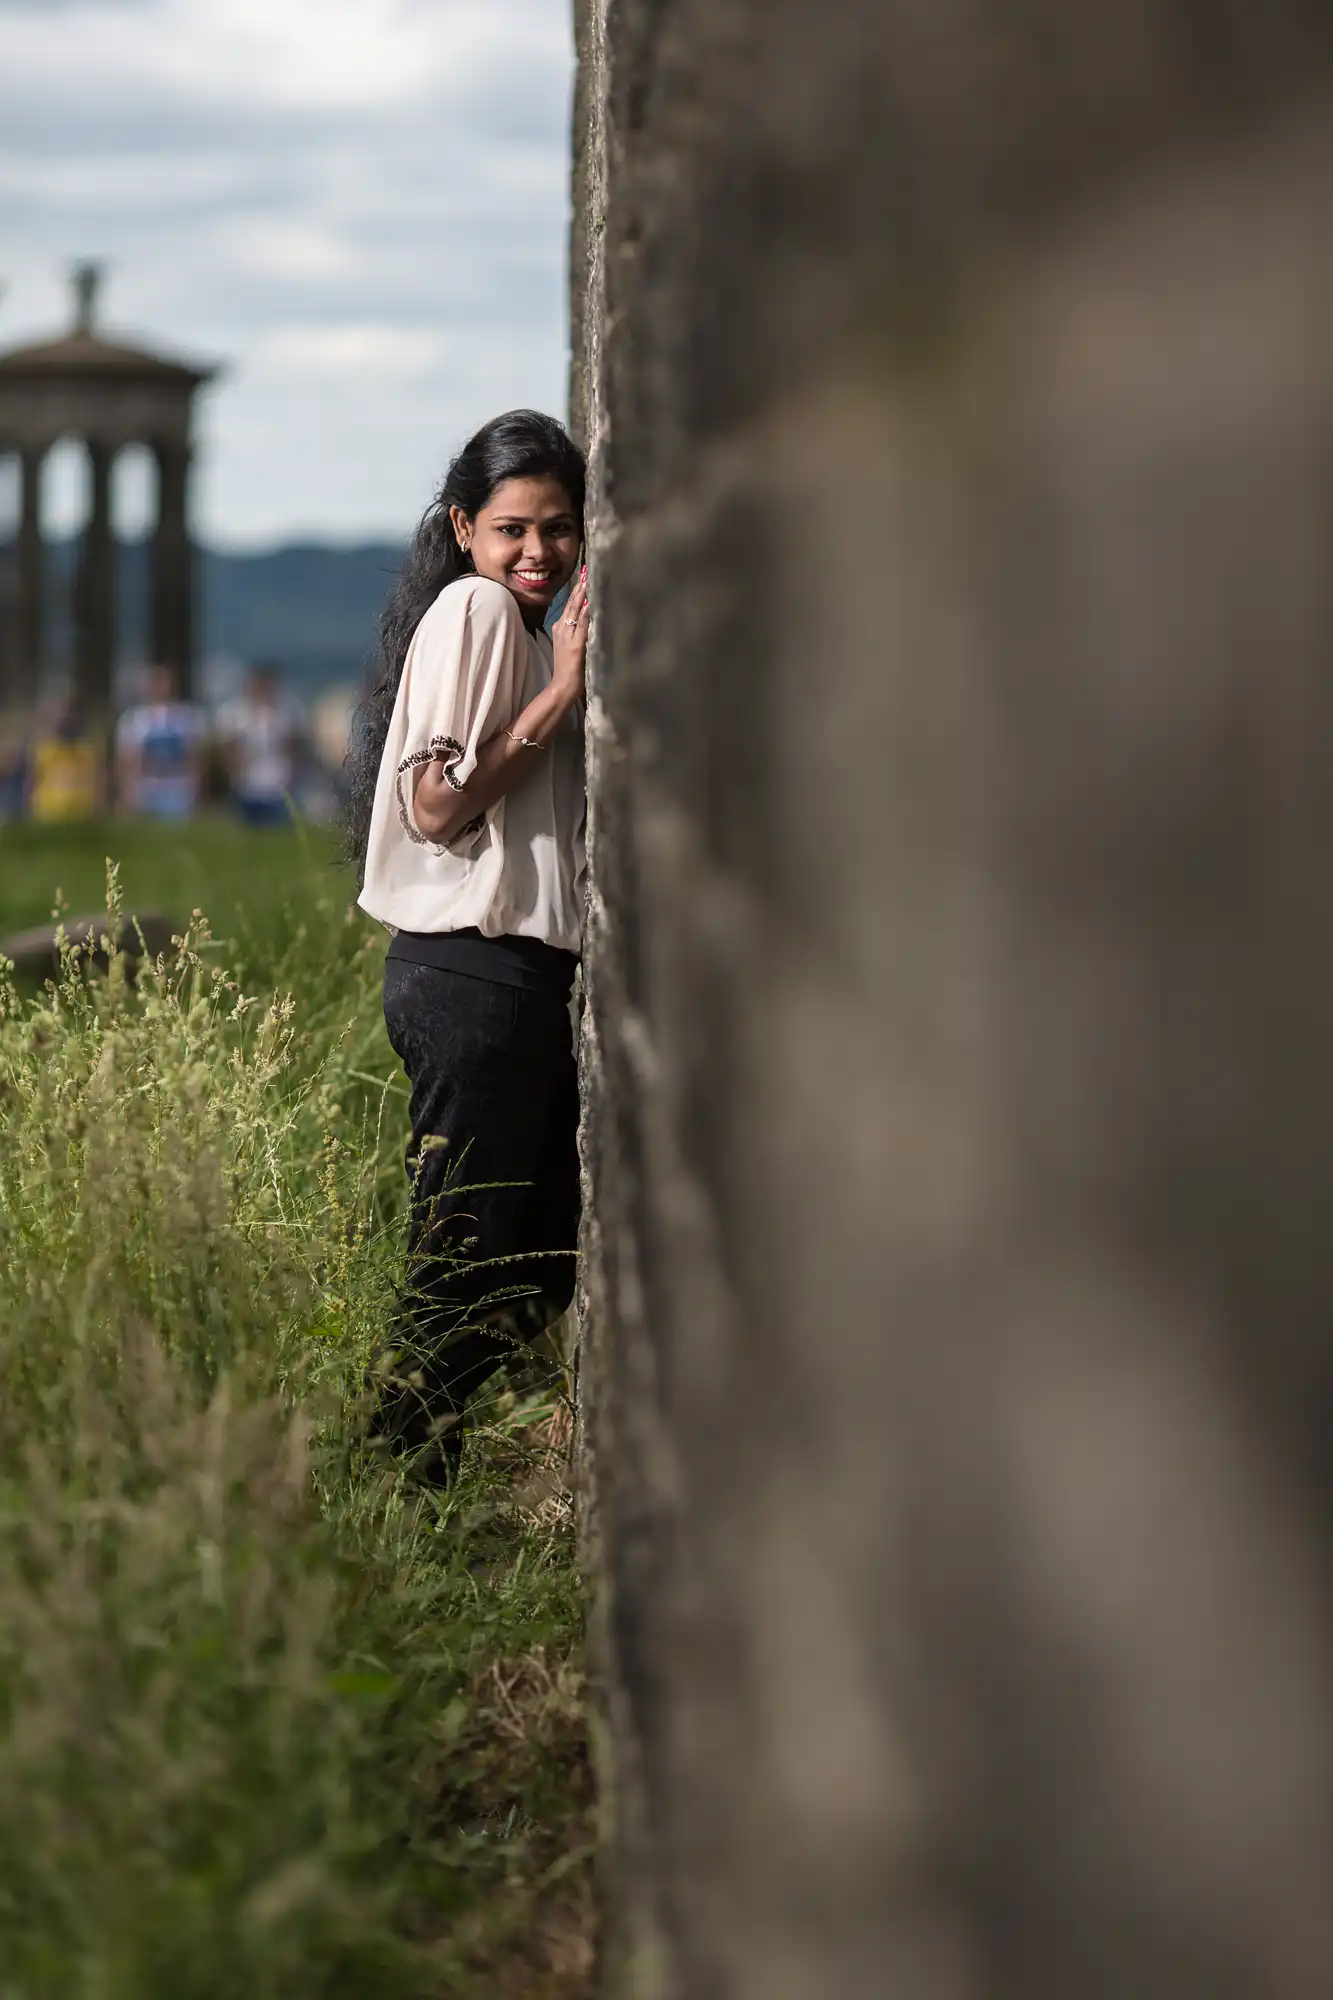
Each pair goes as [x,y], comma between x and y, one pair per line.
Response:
[83,352]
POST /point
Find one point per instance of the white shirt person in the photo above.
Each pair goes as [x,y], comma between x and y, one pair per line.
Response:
[261,733]
[466,809]
[517,868]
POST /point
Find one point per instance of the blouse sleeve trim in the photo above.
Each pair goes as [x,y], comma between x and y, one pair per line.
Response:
[450,751]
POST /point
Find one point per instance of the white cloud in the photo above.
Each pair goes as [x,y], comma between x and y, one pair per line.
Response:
[282,248]
[348,350]
[365,197]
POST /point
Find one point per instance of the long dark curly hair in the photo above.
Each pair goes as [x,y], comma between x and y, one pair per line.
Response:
[521,444]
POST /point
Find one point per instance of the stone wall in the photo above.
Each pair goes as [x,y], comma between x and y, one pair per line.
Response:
[959,1065]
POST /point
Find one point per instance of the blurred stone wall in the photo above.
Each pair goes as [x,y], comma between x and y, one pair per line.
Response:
[959,381]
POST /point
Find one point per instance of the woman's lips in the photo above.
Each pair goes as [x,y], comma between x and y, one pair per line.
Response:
[532,579]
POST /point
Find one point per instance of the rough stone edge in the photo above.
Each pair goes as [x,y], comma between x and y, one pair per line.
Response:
[632,1960]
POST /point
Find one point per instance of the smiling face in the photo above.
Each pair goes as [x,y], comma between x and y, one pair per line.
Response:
[526,537]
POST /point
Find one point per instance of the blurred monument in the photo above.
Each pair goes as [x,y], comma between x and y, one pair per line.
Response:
[108,394]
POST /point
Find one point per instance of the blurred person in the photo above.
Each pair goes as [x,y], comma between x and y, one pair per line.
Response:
[331,727]
[160,752]
[262,734]
[66,767]
[321,792]
[465,814]
[13,767]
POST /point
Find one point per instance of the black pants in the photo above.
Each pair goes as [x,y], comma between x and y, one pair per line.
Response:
[493,1162]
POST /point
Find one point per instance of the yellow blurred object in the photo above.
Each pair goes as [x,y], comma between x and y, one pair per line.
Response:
[65,785]
[331,722]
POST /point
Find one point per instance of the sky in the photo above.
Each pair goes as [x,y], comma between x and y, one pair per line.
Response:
[358,206]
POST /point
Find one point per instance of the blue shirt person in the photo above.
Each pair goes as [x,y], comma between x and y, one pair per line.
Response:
[160,752]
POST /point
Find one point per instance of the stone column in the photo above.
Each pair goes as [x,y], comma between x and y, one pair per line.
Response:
[172,585]
[31,575]
[960,1084]
[95,590]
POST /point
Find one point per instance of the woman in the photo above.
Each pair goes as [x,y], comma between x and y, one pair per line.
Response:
[466,811]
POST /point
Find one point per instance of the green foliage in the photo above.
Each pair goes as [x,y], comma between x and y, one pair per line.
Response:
[272,1722]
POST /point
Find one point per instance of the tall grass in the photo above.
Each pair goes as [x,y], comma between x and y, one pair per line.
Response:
[272,1722]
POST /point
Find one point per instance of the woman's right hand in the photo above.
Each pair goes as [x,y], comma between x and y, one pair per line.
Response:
[569,640]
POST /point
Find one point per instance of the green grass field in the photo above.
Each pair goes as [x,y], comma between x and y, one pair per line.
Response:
[257,887]
[273,1722]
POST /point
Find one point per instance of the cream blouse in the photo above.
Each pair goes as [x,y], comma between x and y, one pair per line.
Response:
[516,870]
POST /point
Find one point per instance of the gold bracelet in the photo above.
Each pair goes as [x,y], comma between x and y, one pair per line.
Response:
[528,742]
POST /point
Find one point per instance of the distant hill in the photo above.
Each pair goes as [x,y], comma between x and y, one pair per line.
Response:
[311,610]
